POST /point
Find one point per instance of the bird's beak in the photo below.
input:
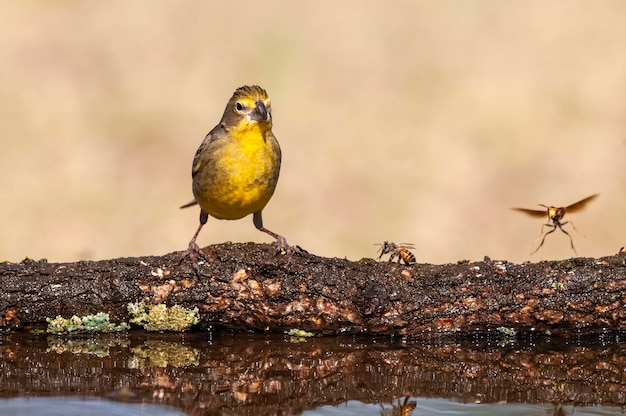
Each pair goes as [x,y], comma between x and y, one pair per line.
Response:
[260,112]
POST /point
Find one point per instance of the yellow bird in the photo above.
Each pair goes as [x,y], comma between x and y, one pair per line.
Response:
[236,168]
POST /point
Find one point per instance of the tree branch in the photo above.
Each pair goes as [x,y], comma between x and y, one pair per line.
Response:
[250,286]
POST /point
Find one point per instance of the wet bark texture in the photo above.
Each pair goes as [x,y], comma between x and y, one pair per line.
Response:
[250,286]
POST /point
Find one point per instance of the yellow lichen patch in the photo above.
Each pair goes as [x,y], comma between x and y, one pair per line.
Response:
[161,318]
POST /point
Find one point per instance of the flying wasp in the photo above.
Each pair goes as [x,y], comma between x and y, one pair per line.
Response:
[399,251]
[555,215]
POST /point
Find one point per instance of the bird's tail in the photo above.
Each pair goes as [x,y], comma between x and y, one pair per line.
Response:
[189,204]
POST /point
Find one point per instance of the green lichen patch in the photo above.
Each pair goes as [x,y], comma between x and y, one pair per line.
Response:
[86,324]
[299,333]
[509,332]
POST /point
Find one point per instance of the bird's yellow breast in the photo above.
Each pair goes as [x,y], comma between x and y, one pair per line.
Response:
[239,172]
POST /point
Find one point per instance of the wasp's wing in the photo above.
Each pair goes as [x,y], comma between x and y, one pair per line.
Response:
[538,213]
[577,206]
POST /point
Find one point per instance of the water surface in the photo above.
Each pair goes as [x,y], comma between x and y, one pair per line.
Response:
[252,374]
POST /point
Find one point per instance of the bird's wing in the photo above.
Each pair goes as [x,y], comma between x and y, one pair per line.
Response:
[214,134]
[217,132]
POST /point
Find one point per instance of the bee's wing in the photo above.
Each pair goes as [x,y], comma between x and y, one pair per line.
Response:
[537,213]
[577,206]
[406,245]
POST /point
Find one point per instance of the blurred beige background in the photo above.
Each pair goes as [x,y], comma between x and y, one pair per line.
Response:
[410,121]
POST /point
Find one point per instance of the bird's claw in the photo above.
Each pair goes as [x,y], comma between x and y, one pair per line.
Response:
[194,252]
[285,249]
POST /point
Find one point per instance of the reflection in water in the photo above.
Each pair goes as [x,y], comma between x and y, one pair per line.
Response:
[162,354]
[438,407]
[404,408]
[246,374]
[94,346]
[560,410]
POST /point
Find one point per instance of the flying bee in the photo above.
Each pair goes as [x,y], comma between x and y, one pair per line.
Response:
[399,251]
[555,215]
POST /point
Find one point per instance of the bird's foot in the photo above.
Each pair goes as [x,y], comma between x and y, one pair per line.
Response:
[284,248]
[196,256]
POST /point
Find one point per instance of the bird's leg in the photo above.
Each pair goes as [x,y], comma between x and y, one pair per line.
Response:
[280,240]
[193,250]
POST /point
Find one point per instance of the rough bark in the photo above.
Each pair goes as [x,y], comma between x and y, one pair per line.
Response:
[250,286]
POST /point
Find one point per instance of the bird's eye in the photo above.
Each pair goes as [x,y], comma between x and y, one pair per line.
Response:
[239,106]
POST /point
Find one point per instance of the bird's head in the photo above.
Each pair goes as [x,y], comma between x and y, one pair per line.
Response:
[250,105]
